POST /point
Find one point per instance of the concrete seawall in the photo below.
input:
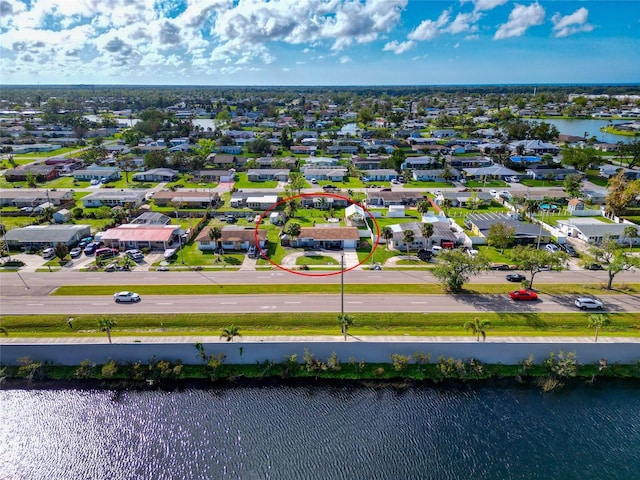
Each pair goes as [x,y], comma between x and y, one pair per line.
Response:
[370,351]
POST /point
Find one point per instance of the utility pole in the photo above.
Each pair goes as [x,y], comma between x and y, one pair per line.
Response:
[342,287]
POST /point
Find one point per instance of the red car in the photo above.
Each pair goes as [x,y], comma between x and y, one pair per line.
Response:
[523,295]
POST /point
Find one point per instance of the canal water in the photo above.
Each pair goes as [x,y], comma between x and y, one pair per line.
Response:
[322,433]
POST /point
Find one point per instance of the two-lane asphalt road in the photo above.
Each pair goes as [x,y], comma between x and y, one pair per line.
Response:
[158,304]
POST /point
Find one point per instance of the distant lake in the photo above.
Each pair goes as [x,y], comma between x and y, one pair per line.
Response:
[579,126]
[322,433]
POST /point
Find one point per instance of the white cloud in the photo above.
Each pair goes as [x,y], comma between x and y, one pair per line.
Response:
[399,47]
[345,59]
[520,19]
[464,22]
[429,29]
[484,5]
[571,24]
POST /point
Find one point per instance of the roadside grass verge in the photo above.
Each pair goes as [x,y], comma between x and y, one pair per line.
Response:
[374,289]
[306,324]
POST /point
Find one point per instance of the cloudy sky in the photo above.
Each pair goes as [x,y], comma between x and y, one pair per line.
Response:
[318,42]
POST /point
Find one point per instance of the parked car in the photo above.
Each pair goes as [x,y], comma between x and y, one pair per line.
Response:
[329,187]
[515,277]
[424,255]
[90,249]
[106,252]
[523,295]
[550,247]
[593,266]
[231,219]
[95,181]
[126,297]
[436,249]
[134,254]
[568,248]
[588,302]
[252,251]
[503,266]
[75,252]
[48,253]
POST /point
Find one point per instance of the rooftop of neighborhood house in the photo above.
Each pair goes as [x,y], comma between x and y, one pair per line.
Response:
[45,233]
[483,222]
[141,233]
[329,232]
[233,234]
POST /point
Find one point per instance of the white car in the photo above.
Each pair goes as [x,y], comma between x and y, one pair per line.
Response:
[48,253]
[134,254]
[550,247]
[588,302]
[126,297]
[493,193]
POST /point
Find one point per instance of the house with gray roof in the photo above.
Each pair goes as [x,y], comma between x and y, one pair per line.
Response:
[461,199]
[95,172]
[336,174]
[592,231]
[525,233]
[421,162]
[441,233]
[435,175]
[32,198]
[533,147]
[115,197]
[265,174]
[39,236]
[156,175]
[492,171]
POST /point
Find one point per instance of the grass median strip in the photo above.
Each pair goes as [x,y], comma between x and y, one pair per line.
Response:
[388,288]
[306,324]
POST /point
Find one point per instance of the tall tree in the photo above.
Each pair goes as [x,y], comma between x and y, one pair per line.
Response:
[106,324]
[387,234]
[298,181]
[427,232]
[61,250]
[597,321]
[581,158]
[478,327]
[573,185]
[345,322]
[423,206]
[501,235]
[454,268]
[408,237]
[293,230]
[620,192]
[612,257]
[534,260]
[215,233]
[630,232]
[290,208]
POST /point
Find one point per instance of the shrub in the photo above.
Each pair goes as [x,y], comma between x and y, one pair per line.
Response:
[84,369]
[400,362]
[379,372]
[110,369]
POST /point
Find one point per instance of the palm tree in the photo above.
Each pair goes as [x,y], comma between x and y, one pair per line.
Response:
[630,232]
[408,237]
[531,207]
[106,324]
[230,332]
[291,207]
[345,322]
[387,234]
[478,327]
[446,205]
[423,206]
[215,233]
[598,321]
[427,232]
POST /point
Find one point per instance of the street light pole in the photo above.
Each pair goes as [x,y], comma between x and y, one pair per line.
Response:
[342,287]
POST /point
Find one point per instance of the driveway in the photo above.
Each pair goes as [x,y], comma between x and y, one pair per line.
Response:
[350,257]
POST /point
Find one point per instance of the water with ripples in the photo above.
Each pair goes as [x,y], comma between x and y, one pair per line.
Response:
[322,433]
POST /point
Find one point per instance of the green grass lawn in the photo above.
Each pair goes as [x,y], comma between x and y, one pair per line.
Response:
[427,185]
[316,260]
[243,182]
[39,155]
[594,177]
[280,323]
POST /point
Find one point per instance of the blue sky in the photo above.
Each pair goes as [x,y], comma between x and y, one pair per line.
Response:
[318,42]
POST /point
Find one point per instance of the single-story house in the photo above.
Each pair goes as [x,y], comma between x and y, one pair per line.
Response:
[334,174]
[156,175]
[333,149]
[324,202]
[32,198]
[320,162]
[533,147]
[41,173]
[366,163]
[493,171]
[151,218]
[230,149]
[264,174]
[541,173]
[231,161]
[214,175]
[591,230]
[233,238]
[424,162]
[114,197]
[255,200]
[384,199]
[39,236]
[381,175]
[461,199]
[326,236]
[303,149]
[526,233]
[441,233]
[156,237]
[468,162]
[193,199]
[434,175]
[267,162]
[97,173]
[608,171]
